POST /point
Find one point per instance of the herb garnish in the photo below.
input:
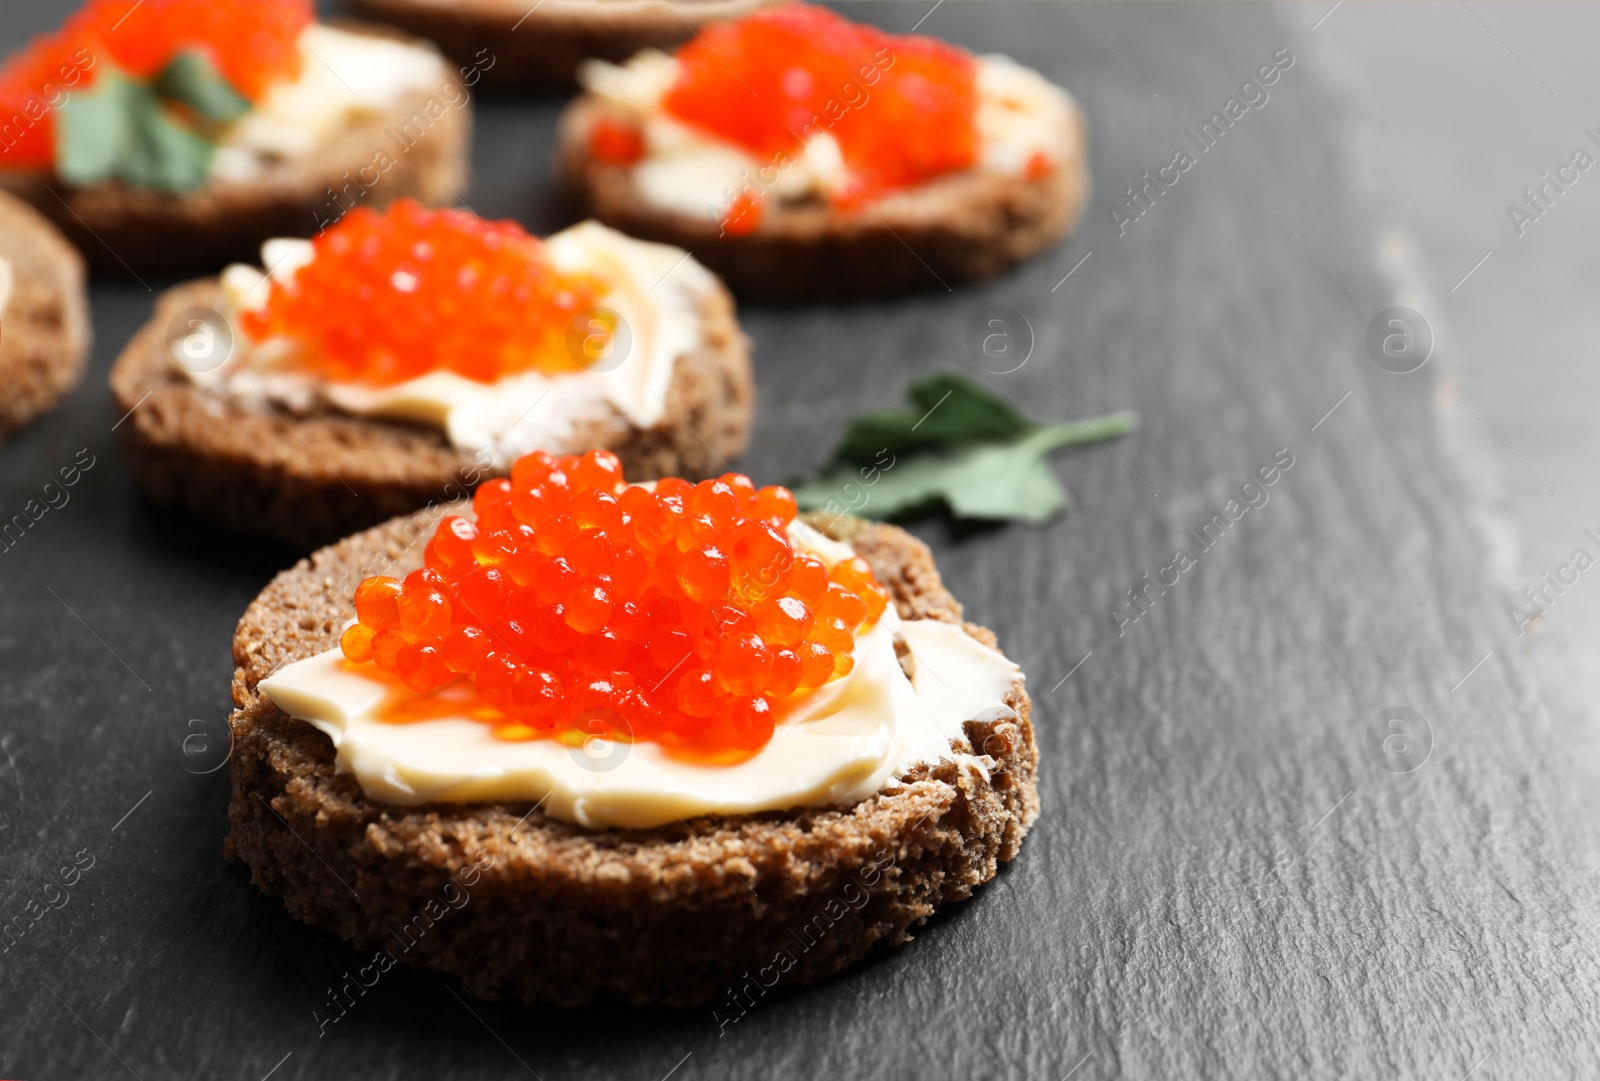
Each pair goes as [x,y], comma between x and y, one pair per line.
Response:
[958,444]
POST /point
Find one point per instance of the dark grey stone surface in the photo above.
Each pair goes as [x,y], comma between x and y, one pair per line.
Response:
[1224,880]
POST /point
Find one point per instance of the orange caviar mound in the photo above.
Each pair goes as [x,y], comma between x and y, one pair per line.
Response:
[903,107]
[252,43]
[389,296]
[582,606]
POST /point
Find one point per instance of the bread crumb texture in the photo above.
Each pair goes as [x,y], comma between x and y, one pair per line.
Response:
[44,327]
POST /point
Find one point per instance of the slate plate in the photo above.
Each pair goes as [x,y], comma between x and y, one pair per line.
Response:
[1230,877]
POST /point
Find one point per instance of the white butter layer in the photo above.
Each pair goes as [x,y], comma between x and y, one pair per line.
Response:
[834,747]
[7,281]
[344,77]
[657,291]
[1020,114]
[692,171]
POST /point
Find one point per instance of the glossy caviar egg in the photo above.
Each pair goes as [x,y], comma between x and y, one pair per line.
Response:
[612,624]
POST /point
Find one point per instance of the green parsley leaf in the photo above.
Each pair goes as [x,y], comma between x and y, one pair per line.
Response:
[959,445]
[119,130]
[160,154]
[90,132]
[128,130]
[191,79]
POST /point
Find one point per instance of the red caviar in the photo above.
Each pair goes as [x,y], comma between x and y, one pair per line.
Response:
[903,107]
[615,141]
[252,43]
[580,605]
[1039,166]
[392,295]
[743,216]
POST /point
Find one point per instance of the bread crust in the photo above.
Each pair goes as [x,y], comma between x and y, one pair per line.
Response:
[542,48]
[680,914]
[961,227]
[312,478]
[44,328]
[124,230]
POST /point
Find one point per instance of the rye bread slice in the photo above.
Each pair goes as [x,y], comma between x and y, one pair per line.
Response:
[44,328]
[692,912]
[540,46]
[311,478]
[125,230]
[962,227]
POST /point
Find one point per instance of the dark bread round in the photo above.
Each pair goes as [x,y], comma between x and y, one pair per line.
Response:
[540,46]
[679,914]
[126,230]
[962,227]
[312,478]
[44,329]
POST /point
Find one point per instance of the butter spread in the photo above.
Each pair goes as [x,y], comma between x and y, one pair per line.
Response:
[657,291]
[836,746]
[344,77]
[1020,114]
